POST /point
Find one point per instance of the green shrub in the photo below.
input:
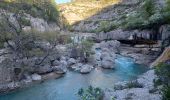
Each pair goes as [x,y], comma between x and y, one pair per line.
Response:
[46,10]
[47,36]
[166,93]
[90,93]
[86,46]
[148,8]
[143,16]
[134,84]
[106,26]
[162,70]
[25,22]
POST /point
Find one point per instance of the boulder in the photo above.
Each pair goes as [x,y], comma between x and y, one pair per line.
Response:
[60,69]
[111,45]
[63,63]
[71,61]
[105,54]
[108,63]
[55,63]
[86,69]
[76,67]
[36,77]
[44,69]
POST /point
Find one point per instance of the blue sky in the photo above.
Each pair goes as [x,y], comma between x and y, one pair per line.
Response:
[62,1]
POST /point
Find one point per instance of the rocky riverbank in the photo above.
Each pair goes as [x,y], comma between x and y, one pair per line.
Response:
[29,81]
[143,88]
[104,55]
[140,89]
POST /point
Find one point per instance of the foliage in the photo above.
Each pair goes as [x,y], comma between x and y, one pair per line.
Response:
[148,8]
[39,8]
[106,26]
[82,50]
[166,93]
[145,16]
[134,84]
[86,46]
[90,93]
[166,12]
[162,70]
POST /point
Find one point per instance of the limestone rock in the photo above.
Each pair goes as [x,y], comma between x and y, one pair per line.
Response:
[36,77]
[86,69]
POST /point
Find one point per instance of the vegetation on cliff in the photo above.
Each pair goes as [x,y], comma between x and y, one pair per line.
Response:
[45,9]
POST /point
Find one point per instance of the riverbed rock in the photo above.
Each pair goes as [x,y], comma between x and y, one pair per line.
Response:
[107,63]
[77,66]
[55,63]
[36,77]
[125,92]
[44,69]
[86,69]
[60,69]
[71,61]
[107,59]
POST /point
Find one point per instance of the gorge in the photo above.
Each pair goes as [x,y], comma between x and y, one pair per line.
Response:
[84,50]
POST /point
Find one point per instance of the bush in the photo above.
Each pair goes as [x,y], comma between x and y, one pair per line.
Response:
[134,84]
[90,93]
[106,26]
[162,70]
[141,18]
[46,10]
[148,8]
[166,93]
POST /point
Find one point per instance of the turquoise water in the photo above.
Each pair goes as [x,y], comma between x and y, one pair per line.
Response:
[66,88]
[62,1]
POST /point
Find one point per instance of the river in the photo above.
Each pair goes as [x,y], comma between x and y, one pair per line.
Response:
[67,87]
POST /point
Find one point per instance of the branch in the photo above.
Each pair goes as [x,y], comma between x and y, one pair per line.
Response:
[48,53]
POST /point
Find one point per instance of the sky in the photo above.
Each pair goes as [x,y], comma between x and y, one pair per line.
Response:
[62,1]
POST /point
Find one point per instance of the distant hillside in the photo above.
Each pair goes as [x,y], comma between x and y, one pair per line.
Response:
[95,16]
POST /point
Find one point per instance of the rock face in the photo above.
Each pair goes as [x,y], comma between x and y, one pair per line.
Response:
[165,33]
[113,45]
[36,24]
[42,26]
[114,35]
[136,93]
[143,55]
[119,34]
[110,14]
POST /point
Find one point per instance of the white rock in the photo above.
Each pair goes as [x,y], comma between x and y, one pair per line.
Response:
[36,77]
[86,69]
[71,61]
